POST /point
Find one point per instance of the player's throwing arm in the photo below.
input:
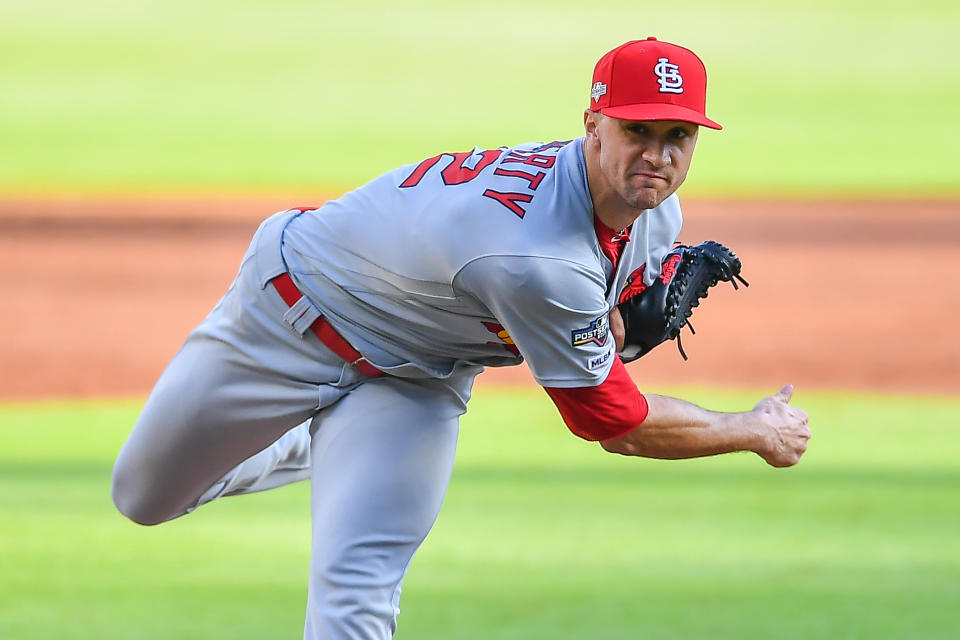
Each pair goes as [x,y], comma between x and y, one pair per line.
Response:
[674,428]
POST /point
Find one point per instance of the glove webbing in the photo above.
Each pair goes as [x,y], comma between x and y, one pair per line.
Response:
[693,283]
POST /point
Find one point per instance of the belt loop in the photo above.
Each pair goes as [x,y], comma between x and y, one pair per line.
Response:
[302,315]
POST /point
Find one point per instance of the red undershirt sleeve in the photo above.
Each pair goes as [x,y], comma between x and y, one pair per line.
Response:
[609,410]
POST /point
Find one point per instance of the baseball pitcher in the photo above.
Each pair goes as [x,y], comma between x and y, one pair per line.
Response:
[346,348]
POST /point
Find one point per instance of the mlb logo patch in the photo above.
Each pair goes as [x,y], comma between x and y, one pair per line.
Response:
[599,361]
[596,333]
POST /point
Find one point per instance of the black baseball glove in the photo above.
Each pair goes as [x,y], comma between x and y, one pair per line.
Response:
[655,313]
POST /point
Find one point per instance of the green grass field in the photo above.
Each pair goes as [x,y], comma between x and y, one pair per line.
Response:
[541,536]
[824,97]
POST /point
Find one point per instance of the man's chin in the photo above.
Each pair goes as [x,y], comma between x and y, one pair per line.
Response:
[647,199]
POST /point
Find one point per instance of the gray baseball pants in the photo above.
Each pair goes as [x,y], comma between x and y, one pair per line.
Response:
[254,400]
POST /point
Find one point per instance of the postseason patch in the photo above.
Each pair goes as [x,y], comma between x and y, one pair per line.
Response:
[596,333]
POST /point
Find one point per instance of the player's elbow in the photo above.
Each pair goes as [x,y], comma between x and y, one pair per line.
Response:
[623,445]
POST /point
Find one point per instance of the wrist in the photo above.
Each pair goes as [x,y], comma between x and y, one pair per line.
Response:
[755,435]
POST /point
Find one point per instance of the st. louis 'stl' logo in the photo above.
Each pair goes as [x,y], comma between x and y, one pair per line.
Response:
[668,75]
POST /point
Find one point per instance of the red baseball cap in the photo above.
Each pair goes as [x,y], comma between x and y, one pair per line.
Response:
[651,80]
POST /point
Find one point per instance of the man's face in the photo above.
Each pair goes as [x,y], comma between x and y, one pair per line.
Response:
[643,162]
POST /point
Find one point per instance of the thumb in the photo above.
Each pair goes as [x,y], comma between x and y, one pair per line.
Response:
[786,393]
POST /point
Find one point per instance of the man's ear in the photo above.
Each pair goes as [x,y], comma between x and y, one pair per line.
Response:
[591,121]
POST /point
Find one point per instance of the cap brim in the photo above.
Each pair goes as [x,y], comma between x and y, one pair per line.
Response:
[659,111]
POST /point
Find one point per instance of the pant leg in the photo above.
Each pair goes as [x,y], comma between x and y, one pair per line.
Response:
[285,461]
[249,373]
[381,461]
[206,415]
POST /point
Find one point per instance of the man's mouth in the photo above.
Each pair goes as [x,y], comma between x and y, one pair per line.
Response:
[650,175]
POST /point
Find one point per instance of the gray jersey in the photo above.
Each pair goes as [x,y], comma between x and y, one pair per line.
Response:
[485,258]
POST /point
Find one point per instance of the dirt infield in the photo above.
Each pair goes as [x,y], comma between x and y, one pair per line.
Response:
[98,294]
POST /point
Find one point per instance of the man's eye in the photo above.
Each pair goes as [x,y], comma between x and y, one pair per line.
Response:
[639,129]
[679,133]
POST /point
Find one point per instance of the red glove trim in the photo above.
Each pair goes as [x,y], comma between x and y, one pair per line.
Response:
[609,410]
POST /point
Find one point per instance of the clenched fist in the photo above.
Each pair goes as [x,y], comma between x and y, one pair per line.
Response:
[784,427]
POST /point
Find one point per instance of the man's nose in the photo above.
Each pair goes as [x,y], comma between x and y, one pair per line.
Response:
[656,153]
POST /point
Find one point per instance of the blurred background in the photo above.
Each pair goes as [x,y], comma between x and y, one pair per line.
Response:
[143,142]
[818,98]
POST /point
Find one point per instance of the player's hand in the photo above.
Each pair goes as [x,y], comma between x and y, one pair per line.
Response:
[617,328]
[786,431]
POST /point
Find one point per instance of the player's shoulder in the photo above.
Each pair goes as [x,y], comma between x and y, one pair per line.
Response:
[666,219]
[670,210]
